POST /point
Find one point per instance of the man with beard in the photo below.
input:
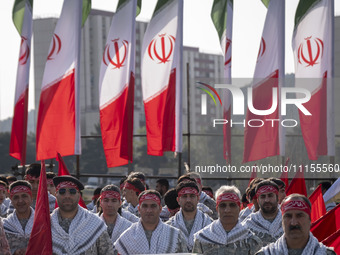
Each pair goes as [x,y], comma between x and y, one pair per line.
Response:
[110,202]
[150,235]
[76,230]
[226,235]
[297,238]
[18,225]
[267,222]
[189,220]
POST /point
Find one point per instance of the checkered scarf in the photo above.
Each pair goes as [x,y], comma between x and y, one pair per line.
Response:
[204,209]
[204,197]
[201,221]
[256,223]
[245,213]
[12,225]
[84,231]
[133,241]
[3,210]
[132,209]
[280,247]
[129,216]
[216,234]
[120,226]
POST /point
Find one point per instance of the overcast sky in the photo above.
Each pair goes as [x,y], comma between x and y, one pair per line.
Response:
[249,16]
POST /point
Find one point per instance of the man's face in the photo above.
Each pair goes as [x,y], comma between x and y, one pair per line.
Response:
[282,194]
[188,202]
[68,199]
[22,202]
[51,189]
[149,211]
[2,196]
[129,195]
[35,185]
[110,206]
[159,188]
[268,202]
[228,212]
[296,224]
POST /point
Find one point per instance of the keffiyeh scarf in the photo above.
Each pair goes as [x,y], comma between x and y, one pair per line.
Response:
[280,247]
[84,231]
[256,223]
[120,226]
[216,234]
[12,225]
[129,216]
[201,220]
[164,240]
[132,209]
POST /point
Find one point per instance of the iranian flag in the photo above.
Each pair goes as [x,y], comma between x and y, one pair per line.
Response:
[313,52]
[116,86]
[58,126]
[222,17]
[22,19]
[263,135]
[162,78]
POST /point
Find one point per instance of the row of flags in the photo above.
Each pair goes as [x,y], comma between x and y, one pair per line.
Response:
[58,124]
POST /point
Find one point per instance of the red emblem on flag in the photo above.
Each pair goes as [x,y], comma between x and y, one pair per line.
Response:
[118,58]
[56,46]
[310,51]
[227,48]
[262,49]
[24,51]
[161,48]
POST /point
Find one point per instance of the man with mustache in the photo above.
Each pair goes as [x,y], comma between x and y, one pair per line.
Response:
[226,235]
[150,235]
[189,220]
[297,238]
[267,222]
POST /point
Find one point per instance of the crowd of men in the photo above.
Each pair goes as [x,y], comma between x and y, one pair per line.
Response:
[134,219]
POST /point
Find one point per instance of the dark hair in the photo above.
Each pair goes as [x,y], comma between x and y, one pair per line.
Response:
[266,183]
[20,183]
[208,189]
[122,180]
[11,178]
[50,175]
[97,191]
[296,195]
[185,177]
[139,175]
[244,198]
[255,181]
[150,191]
[4,179]
[186,185]
[163,182]
[106,188]
[137,183]
[170,199]
[278,182]
[33,170]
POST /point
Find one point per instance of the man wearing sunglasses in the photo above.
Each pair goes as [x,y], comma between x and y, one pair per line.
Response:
[74,229]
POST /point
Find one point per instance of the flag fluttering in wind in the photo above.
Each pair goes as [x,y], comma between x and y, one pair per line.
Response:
[265,138]
[22,19]
[40,242]
[58,125]
[116,86]
[318,205]
[284,174]
[333,241]
[298,184]
[222,17]
[62,170]
[162,77]
[313,52]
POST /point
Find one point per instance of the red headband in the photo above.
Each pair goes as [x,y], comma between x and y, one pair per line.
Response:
[110,194]
[121,186]
[20,189]
[187,190]
[295,205]
[266,189]
[29,177]
[67,184]
[50,182]
[228,197]
[2,187]
[130,186]
[150,196]
[209,193]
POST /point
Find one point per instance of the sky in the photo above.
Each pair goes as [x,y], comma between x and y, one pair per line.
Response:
[249,16]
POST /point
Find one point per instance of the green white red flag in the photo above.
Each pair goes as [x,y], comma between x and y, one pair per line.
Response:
[162,77]
[22,19]
[313,40]
[222,17]
[265,139]
[58,125]
[116,86]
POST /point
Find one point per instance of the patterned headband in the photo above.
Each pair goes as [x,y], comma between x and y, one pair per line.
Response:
[149,196]
[187,190]
[66,184]
[295,205]
[20,189]
[132,187]
[228,197]
[110,194]
[266,189]
[2,187]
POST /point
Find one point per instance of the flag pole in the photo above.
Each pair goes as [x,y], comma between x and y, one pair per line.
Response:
[188,109]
